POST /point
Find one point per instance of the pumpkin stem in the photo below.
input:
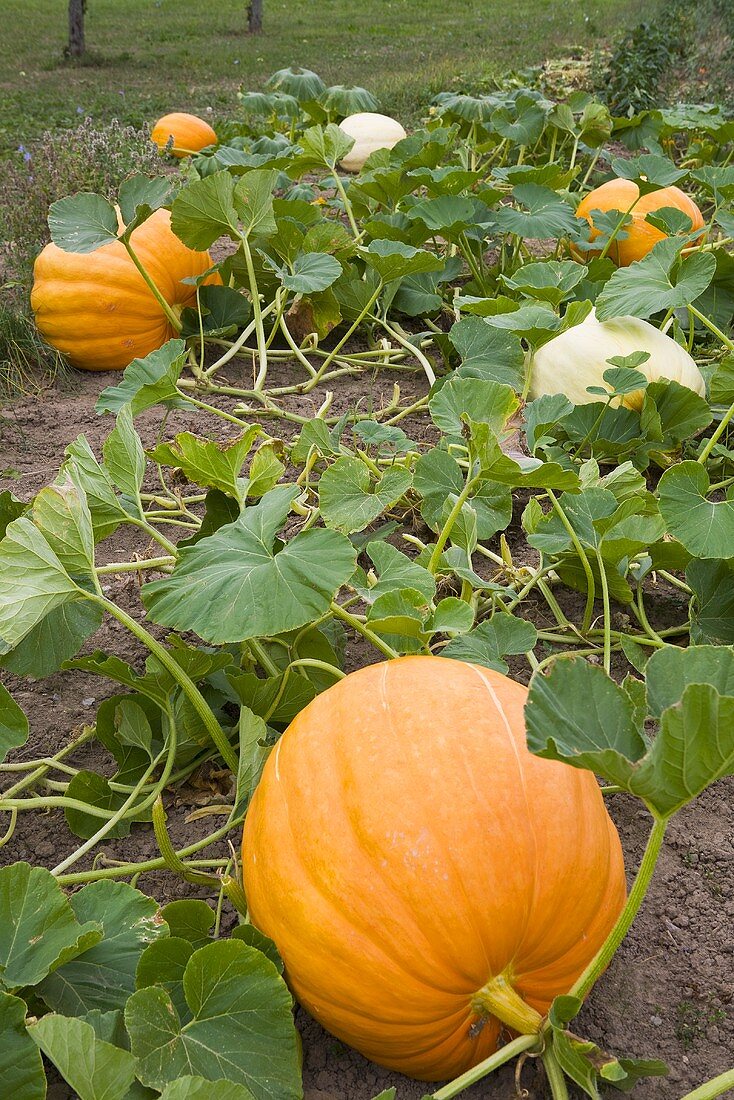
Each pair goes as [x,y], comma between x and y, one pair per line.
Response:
[498,998]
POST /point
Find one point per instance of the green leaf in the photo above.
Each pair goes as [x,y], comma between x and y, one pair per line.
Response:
[671,670]
[199,1088]
[106,509]
[253,199]
[448,215]
[13,724]
[547,214]
[223,311]
[452,616]
[577,714]
[322,147]
[146,192]
[238,1025]
[394,260]
[395,570]
[312,272]
[190,920]
[460,398]
[124,457]
[250,935]
[104,976]
[55,639]
[38,928]
[551,281]
[712,609]
[149,381]
[488,353]
[662,280]
[21,1068]
[438,477]
[61,515]
[82,222]
[95,1070]
[163,964]
[349,499]
[237,584]
[648,170]
[694,747]
[209,463]
[204,211]
[95,791]
[706,528]
[493,640]
[32,582]
[10,509]
[252,756]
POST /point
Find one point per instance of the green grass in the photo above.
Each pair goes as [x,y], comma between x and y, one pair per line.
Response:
[148,57]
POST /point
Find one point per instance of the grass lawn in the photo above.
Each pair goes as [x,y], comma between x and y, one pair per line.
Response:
[147,57]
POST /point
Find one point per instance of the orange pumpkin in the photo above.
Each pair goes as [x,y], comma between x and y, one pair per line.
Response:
[620,194]
[189,133]
[97,309]
[420,871]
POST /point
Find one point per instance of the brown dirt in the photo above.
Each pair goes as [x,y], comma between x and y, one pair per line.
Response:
[668,993]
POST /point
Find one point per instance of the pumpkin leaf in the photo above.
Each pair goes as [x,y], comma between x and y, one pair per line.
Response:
[488,353]
[33,582]
[61,515]
[13,724]
[124,457]
[205,210]
[394,260]
[547,215]
[705,527]
[459,399]
[253,200]
[55,639]
[321,147]
[662,280]
[190,919]
[712,608]
[103,977]
[236,584]
[223,310]
[552,281]
[238,1025]
[21,1068]
[199,1088]
[208,463]
[39,930]
[82,222]
[149,381]
[139,196]
[94,1069]
[491,641]
[350,500]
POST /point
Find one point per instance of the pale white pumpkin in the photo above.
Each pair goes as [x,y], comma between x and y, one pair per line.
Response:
[577,358]
[370,131]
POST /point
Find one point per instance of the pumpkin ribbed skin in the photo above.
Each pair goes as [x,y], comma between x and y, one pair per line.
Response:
[189,133]
[97,309]
[370,131]
[403,847]
[619,194]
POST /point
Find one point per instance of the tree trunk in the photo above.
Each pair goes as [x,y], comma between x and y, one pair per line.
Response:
[76,28]
[255,16]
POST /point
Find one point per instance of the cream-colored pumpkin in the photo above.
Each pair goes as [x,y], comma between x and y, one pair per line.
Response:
[578,357]
[370,131]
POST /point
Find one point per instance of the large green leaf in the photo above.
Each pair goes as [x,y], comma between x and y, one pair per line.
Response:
[55,639]
[82,222]
[547,215]
[39,930]
[207,462]
[460,398]
[712,609]
[104,976]
[21,1068]
[394,260]
[488,352]
[61,514]
[350,500]
[95,1070]
[662,280]
[253,199]
[204,211]
[238,1025]
[705,527]
[238,584]
[199,1088]
[149,381]
[491,641]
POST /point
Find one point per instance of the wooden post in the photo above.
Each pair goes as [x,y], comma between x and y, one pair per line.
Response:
[77,9]
[255,17]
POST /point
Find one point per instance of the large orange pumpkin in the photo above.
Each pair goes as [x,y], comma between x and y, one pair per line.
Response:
[415,864]
[189,133]
[620,194]
[97,309]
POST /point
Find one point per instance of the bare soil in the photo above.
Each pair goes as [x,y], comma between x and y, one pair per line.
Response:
[669,991]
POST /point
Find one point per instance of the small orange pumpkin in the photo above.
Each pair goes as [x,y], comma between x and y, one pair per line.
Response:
[620,194]
[97,309]
[420,871]
[189,133]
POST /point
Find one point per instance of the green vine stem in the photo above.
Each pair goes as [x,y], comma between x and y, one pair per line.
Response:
[41,767]
[347,205]
[172,860]
[186,684]
[126,870]
[262,352]
[603,957]
[340,344]
[554,1073]
[618,226]
[412,348]
[489,1065]
[365,631]
[233,890]
[451,519]
[173,319]
[717,1086]
[607,612]
[590,586]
